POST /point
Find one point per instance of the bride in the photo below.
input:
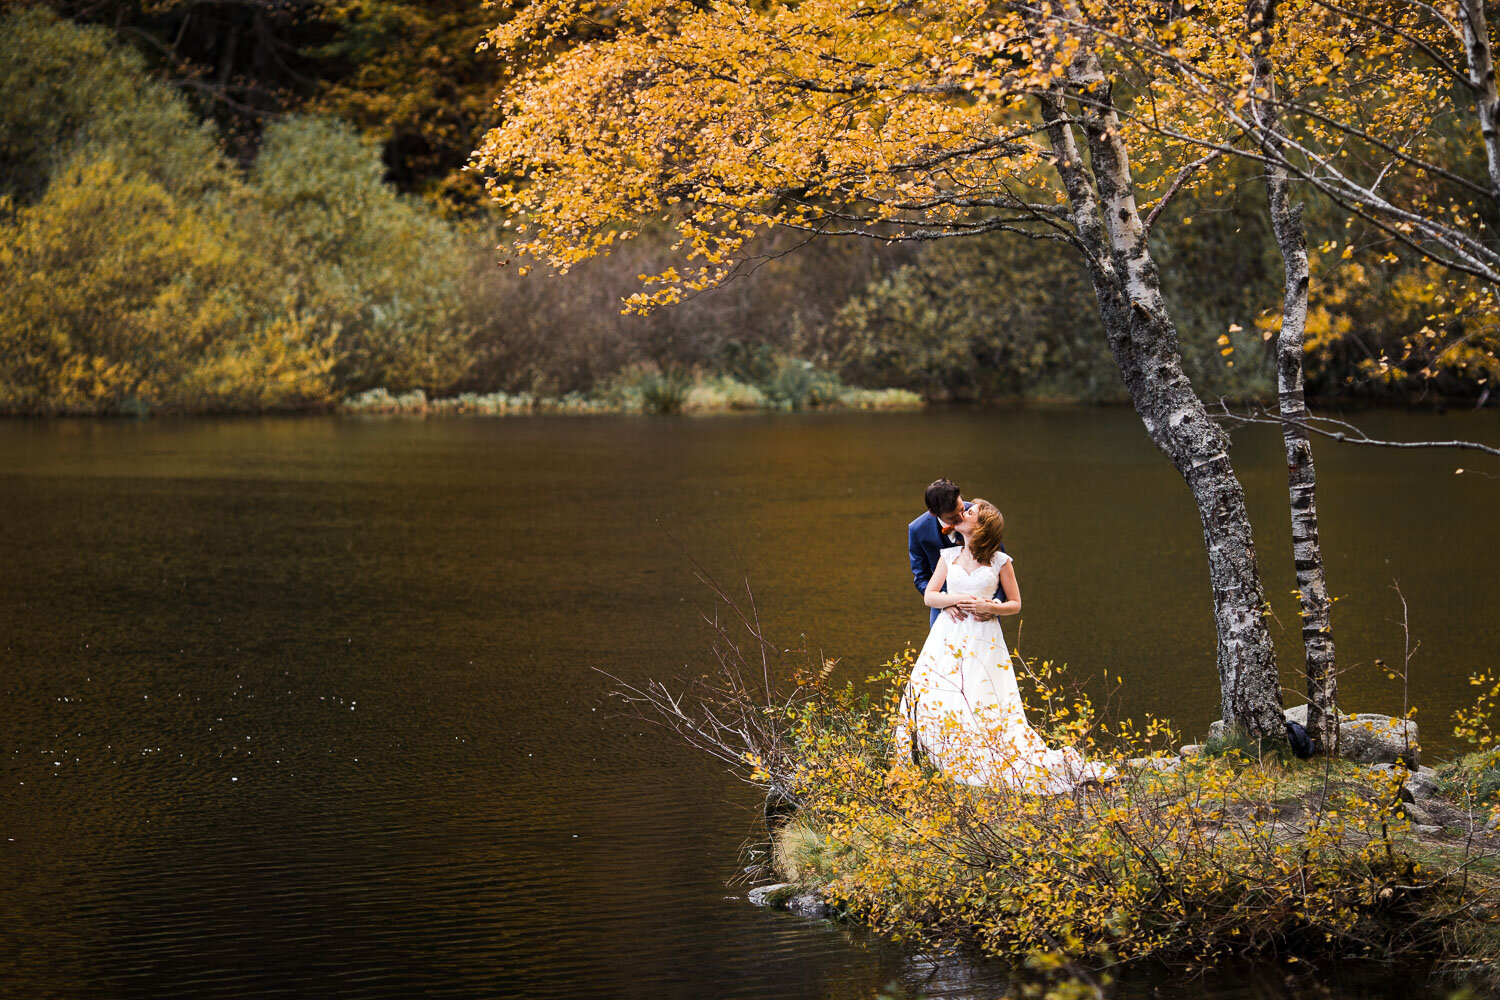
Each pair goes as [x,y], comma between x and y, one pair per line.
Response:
[962,707]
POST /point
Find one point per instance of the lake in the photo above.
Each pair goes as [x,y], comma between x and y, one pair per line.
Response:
[308,706]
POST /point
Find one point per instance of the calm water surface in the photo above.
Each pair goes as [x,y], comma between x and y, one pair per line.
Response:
[306,707]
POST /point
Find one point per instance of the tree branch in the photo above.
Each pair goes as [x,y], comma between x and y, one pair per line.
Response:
[1338,430]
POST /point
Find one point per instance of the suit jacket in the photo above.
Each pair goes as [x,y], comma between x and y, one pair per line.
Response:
[925,542]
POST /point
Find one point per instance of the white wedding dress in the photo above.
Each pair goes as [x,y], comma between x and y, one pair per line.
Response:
[964,710]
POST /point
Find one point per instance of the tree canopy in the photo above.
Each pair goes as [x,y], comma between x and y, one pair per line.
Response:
[912,120]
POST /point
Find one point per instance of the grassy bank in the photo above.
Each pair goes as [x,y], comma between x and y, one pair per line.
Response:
[643,389]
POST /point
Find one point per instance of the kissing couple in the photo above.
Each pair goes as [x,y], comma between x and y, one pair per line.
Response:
[962,707]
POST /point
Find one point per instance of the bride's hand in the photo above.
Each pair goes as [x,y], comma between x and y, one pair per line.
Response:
[977,608]
[955,612]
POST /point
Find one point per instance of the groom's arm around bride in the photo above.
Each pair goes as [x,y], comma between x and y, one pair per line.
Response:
[926,539]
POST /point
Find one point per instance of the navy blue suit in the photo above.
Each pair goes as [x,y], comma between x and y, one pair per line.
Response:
[925,542]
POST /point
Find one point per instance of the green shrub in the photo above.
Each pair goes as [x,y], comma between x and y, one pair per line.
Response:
[378,268]
[68,87]
[647,388]
[976,319]
[1475,774]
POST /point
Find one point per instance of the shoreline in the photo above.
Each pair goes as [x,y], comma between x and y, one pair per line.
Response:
[382,403]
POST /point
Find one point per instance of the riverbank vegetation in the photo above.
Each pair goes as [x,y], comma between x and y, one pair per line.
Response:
[239,207]
[797,385]
[1184,864]
[1235,851]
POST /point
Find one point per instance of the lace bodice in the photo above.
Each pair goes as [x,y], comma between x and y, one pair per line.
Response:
[982,582]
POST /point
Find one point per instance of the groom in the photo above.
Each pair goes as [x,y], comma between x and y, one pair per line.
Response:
[930,533]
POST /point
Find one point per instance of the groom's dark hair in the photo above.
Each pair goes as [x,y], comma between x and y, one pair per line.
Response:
[942,496]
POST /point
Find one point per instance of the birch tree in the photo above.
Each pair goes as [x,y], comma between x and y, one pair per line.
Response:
[1302,479]
[897,120]
[1386,109]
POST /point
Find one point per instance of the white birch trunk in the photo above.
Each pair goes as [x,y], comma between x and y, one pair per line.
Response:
[1144,343]
[1482,80]
[1302,481]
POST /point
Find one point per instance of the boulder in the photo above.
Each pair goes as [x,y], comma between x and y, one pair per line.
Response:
[769,895]
[1418,815]
[1166,765]
[1191,750]
[1427,829]
[1378,739]
[1297,714]
[784,896]
[1389,772]
[1421,786]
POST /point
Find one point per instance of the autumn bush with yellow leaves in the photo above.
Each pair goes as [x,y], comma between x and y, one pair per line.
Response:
[1234,853]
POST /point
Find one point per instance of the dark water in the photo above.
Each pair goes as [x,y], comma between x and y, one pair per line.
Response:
[307,708]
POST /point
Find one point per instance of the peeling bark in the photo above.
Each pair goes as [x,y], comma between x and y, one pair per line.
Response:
[1482,80]
[1302,480]
[1143,341]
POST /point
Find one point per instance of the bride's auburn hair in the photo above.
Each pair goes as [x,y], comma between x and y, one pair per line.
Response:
[985,541]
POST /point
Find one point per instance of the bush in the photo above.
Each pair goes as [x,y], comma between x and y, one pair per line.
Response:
[1219,857]
[719,393]
[67,88]
[379,269]
[647,388]
[976,319]
[126,298]
[144,273]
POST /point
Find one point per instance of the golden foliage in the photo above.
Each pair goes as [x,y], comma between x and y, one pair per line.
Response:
[1225,855]
[920,120]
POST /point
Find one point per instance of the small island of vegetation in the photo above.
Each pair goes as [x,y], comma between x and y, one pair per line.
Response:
[1228,850]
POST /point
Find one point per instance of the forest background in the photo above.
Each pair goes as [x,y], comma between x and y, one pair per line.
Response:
[251,205]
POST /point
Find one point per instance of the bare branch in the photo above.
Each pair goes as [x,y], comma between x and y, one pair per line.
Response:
[1182,176]
[1339,430]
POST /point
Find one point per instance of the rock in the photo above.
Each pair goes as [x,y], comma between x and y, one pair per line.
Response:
[766,895]
[1427,829]
[784,896]
[1297,714]
[1165,765]
[809,904]
[1385,773]
[1421,786]
[1493,824]
[1191,750]
[1378,739]
[1419,816]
